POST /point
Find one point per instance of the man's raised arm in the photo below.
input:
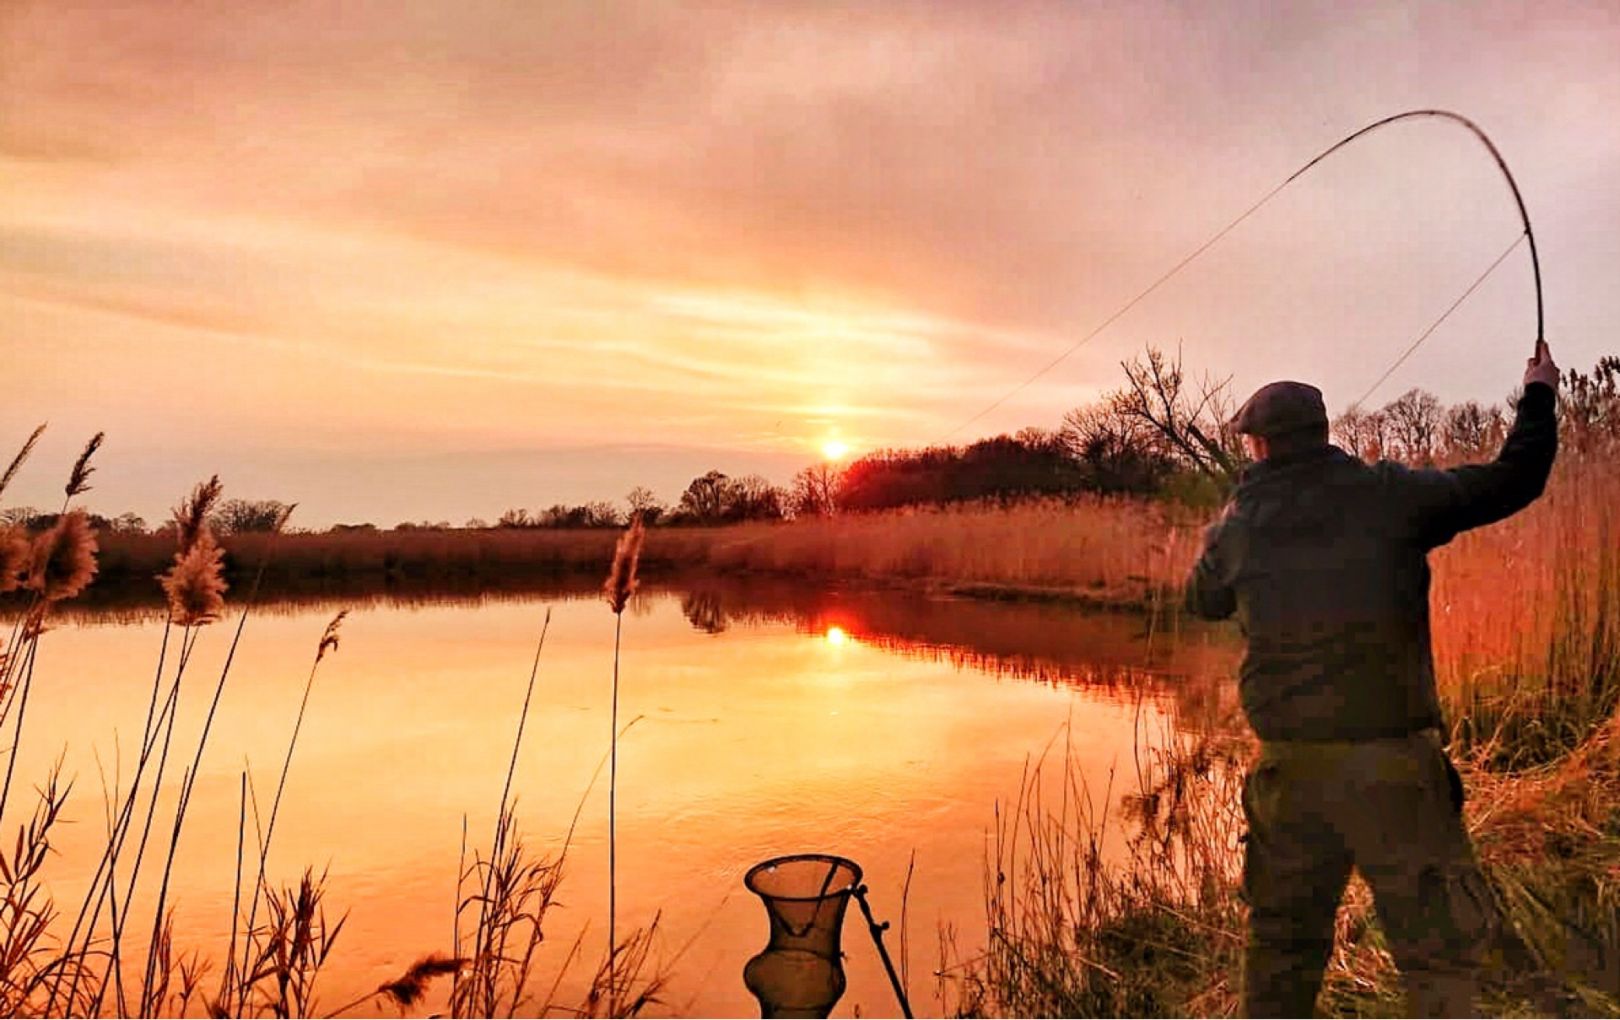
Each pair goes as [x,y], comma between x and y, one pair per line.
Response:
[1446,502]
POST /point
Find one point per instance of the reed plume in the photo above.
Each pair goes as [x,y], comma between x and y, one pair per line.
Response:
[621,579]
[329,640]
[79,477]
[407,990]
[64,558]
[191,516]
[22,455]
[195,585]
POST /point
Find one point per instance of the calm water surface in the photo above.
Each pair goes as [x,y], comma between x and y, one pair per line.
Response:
[769,719]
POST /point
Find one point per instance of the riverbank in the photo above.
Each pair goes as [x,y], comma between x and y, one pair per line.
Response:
[1097,553]
[1525,617]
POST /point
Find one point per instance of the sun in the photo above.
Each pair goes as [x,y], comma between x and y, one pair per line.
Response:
[834,449]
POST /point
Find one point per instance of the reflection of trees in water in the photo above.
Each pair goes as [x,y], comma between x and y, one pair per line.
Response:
[1044,642]
[704,609]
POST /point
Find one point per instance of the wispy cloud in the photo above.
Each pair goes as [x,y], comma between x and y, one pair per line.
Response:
[742,226]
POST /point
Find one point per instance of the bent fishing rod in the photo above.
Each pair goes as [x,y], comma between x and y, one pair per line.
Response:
[1528,234]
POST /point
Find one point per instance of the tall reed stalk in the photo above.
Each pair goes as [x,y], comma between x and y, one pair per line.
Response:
[328,642]
[621,584]
[195,590]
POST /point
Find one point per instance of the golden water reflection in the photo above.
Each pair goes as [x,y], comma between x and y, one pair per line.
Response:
[769,719]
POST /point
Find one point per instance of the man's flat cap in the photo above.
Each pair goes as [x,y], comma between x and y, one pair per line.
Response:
[1281,407]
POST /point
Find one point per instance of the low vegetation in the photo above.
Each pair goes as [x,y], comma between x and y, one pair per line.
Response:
[1526,625]
[1526,622]
[99,956]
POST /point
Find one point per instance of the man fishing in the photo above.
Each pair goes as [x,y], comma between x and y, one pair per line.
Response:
[1324,561]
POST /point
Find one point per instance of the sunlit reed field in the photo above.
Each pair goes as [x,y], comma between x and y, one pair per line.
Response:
[1106,550]
[1526,623]
[1526,620]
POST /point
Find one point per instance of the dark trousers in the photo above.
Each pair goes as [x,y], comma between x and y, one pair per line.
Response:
[1393,809]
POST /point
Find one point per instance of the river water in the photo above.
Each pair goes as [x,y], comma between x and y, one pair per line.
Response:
[764,719]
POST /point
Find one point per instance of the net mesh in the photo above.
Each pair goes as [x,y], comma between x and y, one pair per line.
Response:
[799,973]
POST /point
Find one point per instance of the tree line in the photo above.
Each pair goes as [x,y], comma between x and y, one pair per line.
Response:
[1161,433]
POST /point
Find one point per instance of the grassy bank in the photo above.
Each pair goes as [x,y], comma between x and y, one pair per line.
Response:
[1099,550]
[1528,653]
[1162,934]
[1526,624]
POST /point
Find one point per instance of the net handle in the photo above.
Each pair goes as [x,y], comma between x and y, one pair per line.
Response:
[876,930]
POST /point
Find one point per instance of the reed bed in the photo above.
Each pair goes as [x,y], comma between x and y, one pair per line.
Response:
[1140,913]
[1526,625]
[1526,620]
[1105,550]
[1108,550]
[102,958]
[1080,926]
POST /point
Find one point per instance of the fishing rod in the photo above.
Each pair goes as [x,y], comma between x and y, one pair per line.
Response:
[1528,234]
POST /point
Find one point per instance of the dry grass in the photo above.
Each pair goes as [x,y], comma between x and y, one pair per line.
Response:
[101,964]
[1526,620]
[1113,550]
[1139,914]
[1528,651]
[1080,927]
[1526,625]
[1109,550]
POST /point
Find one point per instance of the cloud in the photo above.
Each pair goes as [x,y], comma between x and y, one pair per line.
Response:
[742,224]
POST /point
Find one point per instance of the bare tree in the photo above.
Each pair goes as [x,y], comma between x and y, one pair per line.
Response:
[1119,453]
[755,499]
[1415,419]
[517,517]
[1471,429]
[1364,433]
[600,514]
[645,503]
[814,491]
[1191,424]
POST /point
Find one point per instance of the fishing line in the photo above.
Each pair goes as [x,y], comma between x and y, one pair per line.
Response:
[1436,323]
[1478,132]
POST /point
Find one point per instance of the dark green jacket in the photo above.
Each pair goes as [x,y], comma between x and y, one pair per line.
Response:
[1324,560]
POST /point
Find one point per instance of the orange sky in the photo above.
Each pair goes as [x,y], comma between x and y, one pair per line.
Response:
[431,260]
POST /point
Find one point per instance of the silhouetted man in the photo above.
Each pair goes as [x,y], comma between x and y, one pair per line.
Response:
[1324,561]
